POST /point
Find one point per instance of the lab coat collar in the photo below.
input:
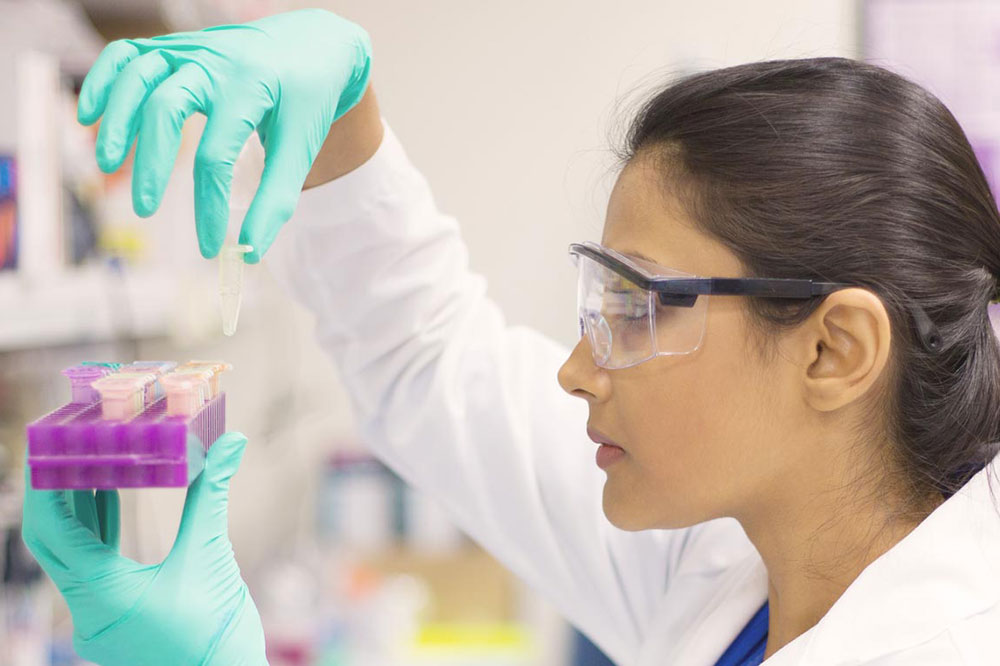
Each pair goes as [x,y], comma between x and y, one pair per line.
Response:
[945,570]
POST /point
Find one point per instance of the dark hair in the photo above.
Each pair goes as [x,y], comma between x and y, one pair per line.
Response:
[840,170]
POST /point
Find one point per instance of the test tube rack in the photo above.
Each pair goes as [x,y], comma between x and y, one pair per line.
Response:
[84,445]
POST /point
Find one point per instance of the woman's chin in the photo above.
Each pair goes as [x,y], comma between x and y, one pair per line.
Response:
[632,513]
[623,514]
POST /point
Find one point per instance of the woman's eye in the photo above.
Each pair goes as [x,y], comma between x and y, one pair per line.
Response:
[635,314]
[628,304]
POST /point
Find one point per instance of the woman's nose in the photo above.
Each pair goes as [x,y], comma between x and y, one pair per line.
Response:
[581,377]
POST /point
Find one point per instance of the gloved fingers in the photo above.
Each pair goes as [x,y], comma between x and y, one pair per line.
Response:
[99,512]
[121,115]
[162,119]
[175,40]
[285,169]
[97,84]
[225,134]
[84,507]
[205,515]
[64,547]
[222,461]
[109,517]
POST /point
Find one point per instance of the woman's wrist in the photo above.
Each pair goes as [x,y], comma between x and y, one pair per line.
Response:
[351,141]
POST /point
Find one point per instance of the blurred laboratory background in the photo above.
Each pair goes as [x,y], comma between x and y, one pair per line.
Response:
[508,109]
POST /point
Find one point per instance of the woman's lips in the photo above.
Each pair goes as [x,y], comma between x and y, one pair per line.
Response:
[607,455]
[608,452]
[601,438]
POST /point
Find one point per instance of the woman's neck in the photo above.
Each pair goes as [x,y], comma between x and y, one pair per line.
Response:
[814,548]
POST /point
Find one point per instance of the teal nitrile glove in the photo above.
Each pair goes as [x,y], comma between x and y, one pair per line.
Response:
[193,608]
[289,76]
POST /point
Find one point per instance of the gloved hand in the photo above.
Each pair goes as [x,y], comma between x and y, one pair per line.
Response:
[289,76]
[193,608]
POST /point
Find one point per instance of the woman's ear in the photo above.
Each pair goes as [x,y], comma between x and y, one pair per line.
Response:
[845,344]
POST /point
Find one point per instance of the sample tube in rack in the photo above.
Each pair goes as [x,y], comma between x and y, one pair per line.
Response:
[213,368]
[186,392]
[124,394]
[158,368]
[81,378]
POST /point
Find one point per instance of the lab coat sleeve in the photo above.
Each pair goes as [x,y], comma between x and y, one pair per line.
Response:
[461,404]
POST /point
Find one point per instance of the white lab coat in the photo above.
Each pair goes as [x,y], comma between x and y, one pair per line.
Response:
[468,408]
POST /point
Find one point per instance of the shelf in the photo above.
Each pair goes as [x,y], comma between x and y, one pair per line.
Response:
[91,304]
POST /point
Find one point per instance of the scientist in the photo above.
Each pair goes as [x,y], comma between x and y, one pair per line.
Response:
[786,361]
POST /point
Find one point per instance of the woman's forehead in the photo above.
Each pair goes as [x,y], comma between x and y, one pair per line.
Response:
[644,221]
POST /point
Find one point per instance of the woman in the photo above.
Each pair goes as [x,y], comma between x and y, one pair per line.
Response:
[794,451]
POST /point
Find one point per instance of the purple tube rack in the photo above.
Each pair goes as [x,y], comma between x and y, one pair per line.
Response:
[74,448]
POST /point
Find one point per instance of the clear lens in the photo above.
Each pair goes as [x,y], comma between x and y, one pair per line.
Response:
[616,315]
[627,324]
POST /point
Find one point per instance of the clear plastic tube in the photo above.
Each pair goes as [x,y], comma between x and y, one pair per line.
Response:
[231,285]
[246,176]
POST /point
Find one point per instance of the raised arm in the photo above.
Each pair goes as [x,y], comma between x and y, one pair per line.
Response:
[456,401]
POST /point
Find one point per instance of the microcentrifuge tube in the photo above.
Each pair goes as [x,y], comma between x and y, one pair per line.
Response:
[246,176]
[231,284]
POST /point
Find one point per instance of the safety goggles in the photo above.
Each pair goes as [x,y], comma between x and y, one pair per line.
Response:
[633,310]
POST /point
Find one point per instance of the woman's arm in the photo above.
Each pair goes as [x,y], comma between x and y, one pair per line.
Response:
[352,140]
[459,403]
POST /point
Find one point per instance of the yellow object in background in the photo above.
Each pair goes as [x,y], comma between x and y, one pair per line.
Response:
[125,242]
[474,637]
